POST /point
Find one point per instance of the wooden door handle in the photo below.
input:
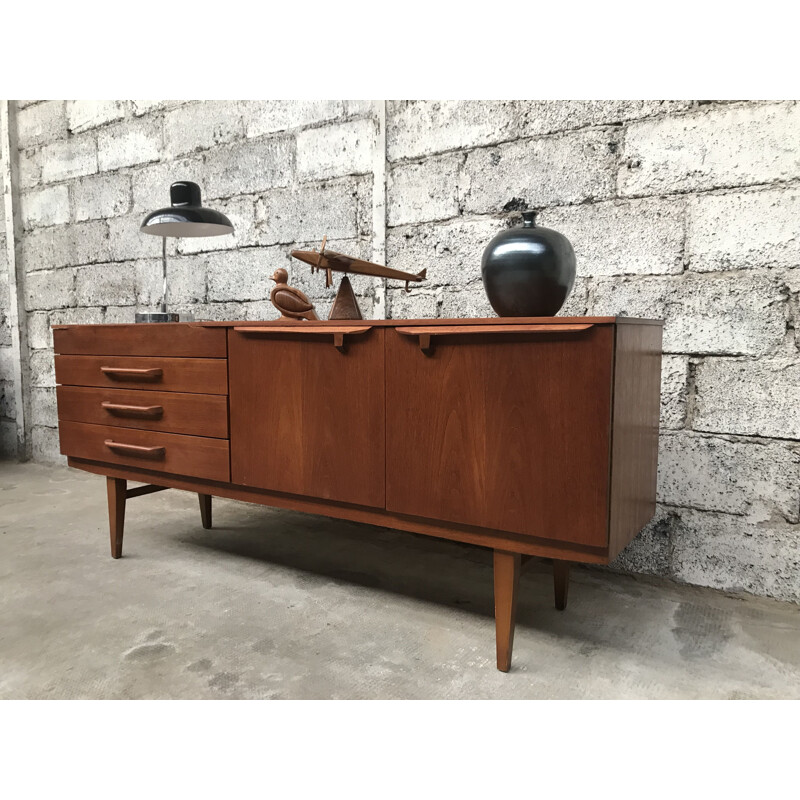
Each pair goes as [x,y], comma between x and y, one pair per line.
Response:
[134,373]
[135,449]
[426,332]
[337,331]
[132,411]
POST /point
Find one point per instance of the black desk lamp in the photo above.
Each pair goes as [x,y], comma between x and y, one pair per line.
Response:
[185,217]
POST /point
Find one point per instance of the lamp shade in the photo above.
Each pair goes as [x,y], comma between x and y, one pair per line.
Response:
[186,216]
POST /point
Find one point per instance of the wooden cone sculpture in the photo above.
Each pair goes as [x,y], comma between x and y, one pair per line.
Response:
[345,306]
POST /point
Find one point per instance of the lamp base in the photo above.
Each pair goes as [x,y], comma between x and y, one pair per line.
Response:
[162,316]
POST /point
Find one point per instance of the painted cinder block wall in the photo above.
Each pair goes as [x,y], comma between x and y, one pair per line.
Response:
[683,210]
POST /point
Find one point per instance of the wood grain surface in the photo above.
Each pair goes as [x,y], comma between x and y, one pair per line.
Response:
[194,375]
[171,412]
[193,456]
[308,419]
[634,456]
[504,430]
[161,339]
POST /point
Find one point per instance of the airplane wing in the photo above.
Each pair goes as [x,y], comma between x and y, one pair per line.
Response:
[343,263]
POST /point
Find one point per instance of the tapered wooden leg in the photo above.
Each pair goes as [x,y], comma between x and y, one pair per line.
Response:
[116,488]
[561,583]
[506,585]
[205,509]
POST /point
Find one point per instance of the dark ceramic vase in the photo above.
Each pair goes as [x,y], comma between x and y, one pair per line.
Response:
[528,271]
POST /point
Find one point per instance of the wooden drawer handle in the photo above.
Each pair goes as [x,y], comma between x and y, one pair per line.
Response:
[425,333]
[133,373]
[338,331]
[133,411]
[135,449]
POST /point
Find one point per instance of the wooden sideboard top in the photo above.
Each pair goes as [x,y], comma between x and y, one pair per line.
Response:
[390,323]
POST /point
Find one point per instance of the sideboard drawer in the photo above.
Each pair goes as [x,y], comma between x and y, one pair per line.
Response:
[177,340]
[199,375]
[170,412]
[193,456]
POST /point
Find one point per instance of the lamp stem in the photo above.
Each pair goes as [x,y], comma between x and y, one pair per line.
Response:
[164,270]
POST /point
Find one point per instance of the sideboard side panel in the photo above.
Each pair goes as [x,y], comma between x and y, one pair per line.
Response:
[634,447]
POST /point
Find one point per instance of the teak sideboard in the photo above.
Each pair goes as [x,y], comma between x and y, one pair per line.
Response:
[534,436]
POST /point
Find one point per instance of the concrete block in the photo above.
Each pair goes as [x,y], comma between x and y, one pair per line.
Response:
[126,242]
[201,126]
[649,552]
[271,116]
[256,311]
[30,168]
[8,438]
[703,314]
[423,191]
[451,252]
[186,276]
[40,331]
[44,409]
[141,107]
[249,168]
[537,117]
[242,275]
[730,553]
[417,128]
[568,168]
[151,184]
[674,391]
[720,146]
[755,479]
[220,311]
[470,302]
[307,212]
[101,196]
[636,237]
[40,124]
[364,209]
[43,207]
[45,446]
[335,150]
[51,289]
[65,245]
[241,211]
[129,143]
[85,114]
[744,230]
[39,334]
[416,304]
[358,108]
[69,158]
[8,406]
[42,369]
[124,315]
[75,316]
[105,285]
[750,398]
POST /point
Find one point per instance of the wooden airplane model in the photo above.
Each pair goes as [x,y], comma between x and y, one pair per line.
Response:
[345,305]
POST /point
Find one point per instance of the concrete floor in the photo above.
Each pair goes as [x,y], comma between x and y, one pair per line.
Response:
[276,604]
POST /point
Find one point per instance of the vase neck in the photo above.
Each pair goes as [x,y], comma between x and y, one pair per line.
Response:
[528,219]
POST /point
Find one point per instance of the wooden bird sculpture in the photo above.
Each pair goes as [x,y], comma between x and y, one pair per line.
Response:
[292,303]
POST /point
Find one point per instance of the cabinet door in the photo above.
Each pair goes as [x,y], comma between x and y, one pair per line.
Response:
[502,430]
[307,418]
